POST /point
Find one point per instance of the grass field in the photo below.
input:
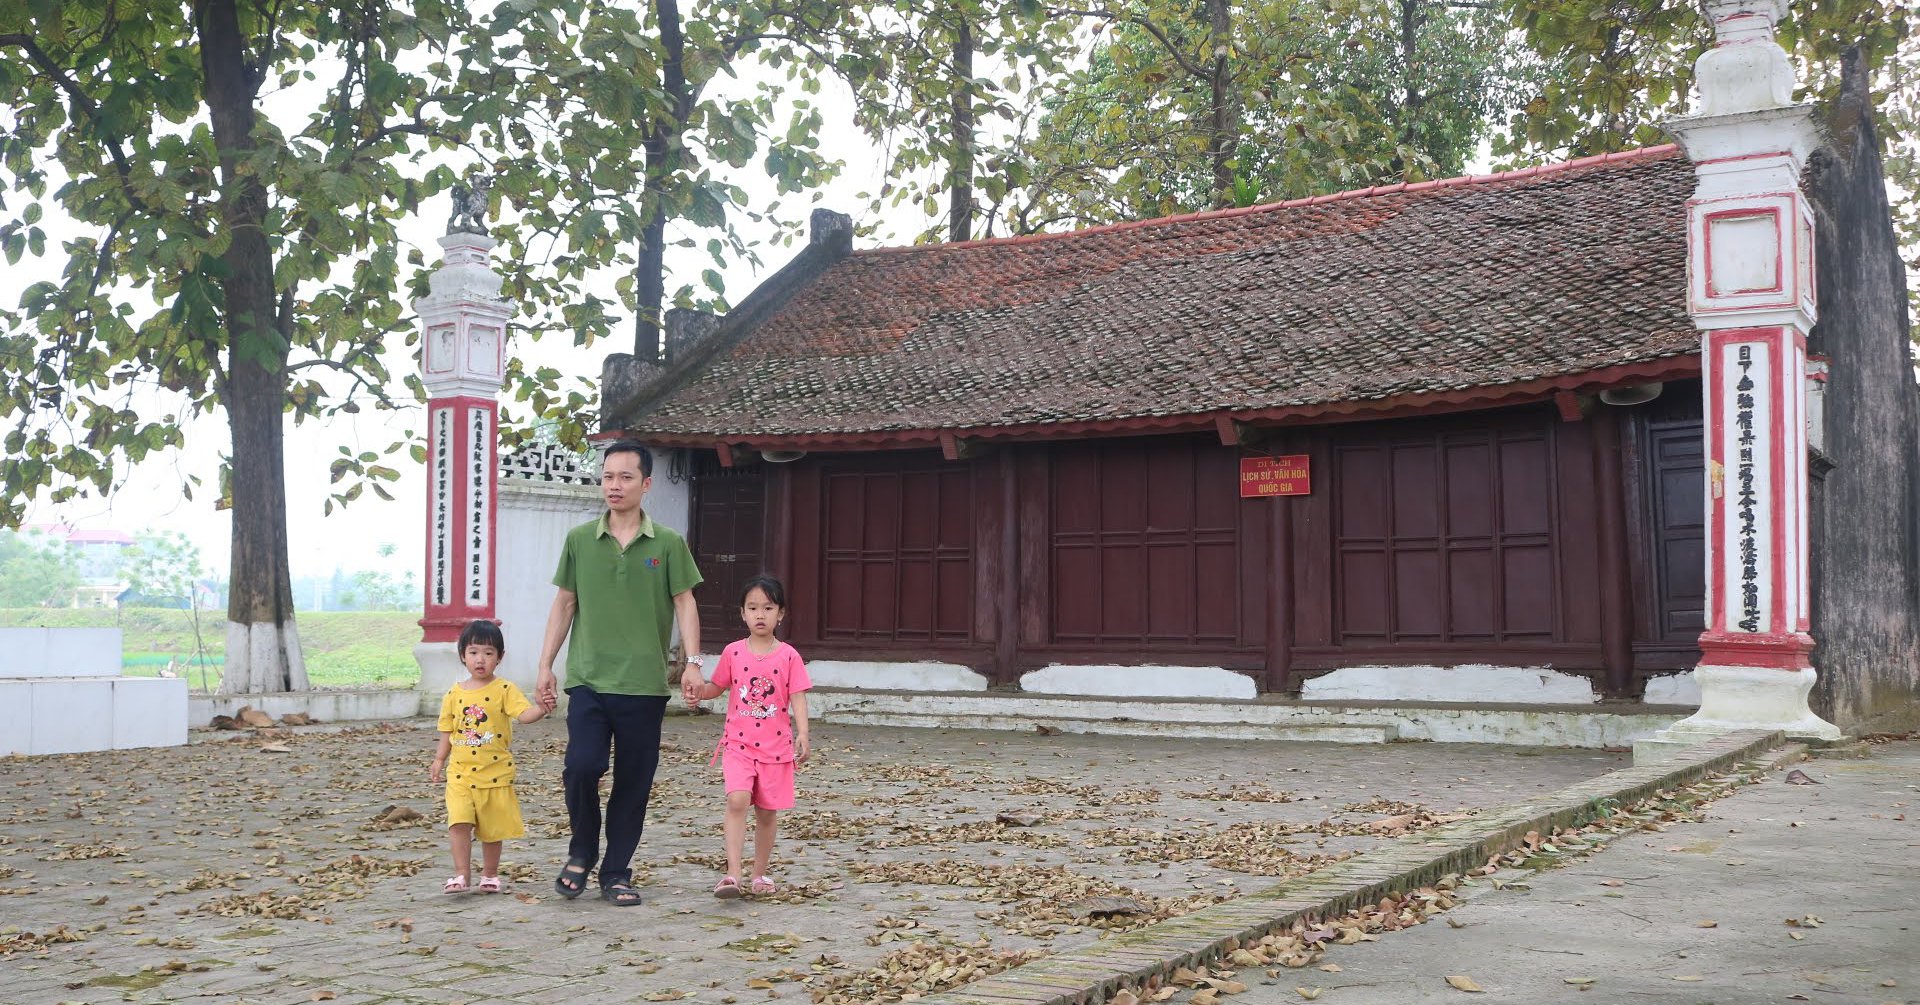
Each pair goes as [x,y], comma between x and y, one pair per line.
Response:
[343,648]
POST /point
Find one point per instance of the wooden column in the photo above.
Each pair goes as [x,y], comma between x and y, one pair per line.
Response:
[1279,593]
[779,515]
[1615,569]
[1006,650]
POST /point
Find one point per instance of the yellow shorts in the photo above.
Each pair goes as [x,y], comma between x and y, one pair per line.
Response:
[494,811]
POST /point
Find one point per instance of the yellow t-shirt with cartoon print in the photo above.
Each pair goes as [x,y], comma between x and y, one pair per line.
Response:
[481,724]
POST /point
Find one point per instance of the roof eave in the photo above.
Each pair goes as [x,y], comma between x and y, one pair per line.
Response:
[1678,367]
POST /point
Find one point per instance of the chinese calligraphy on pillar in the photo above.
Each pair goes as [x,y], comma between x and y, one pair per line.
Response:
[440,534]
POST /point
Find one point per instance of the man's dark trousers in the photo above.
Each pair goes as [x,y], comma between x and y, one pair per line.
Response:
[630,725]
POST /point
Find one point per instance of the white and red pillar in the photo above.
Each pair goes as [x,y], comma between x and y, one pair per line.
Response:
[463,323]
[1750,266]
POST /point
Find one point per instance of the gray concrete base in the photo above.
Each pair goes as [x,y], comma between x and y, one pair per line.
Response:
[324,706]
[1587,725]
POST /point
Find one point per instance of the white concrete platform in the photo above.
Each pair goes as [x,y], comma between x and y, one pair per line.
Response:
[71,715]
[59,652]
[1605,724]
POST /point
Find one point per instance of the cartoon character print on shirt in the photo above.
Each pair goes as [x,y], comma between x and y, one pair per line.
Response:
[755,698]
[473,733]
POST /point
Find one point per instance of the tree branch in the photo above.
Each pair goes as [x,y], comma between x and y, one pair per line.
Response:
[84,107]
[1152,29]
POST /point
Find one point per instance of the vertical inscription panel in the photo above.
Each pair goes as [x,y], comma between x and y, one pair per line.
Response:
[1745,547]
[479,531]
[440,531]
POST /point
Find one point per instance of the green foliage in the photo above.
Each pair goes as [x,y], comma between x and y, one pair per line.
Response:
[37,570]
[1621,69]
[342,649]
[1322,96]
[360,116]
[370,590]
[161,569]
[905,68]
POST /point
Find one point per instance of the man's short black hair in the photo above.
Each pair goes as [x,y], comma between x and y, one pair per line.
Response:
[631,447]
[481,633]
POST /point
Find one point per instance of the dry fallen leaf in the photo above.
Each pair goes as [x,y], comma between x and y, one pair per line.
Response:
[322,996]
[1707,923]
[1124,997]
[1462,982]
[1308,993]
[1612,882]
[1580,980]
[1689,977]
[1798,777]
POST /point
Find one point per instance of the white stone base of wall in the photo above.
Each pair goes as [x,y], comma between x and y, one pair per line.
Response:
[1673,689]
[70,715]
[1476,683]
[1140,682]
[884,676]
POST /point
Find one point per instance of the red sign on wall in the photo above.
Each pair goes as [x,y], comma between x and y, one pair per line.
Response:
[1274,476]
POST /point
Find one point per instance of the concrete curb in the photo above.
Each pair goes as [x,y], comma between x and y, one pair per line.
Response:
[1092,974]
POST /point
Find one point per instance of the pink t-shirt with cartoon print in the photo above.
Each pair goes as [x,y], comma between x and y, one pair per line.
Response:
[759,689]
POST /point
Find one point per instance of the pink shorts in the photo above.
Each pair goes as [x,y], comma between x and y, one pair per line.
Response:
[771,782]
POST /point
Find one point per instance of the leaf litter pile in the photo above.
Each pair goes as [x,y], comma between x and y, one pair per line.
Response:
[918,860]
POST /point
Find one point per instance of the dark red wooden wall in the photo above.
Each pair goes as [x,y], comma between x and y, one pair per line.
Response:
[1509,537]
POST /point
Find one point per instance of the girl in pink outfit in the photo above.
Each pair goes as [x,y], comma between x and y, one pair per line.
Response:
[766,730]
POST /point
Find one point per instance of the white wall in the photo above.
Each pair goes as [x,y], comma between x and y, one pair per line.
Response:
[534,518]
[670,502]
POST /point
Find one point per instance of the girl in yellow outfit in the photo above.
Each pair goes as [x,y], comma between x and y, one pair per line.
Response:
[476,725]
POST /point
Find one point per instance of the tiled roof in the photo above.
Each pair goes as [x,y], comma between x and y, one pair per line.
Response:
[1367,296]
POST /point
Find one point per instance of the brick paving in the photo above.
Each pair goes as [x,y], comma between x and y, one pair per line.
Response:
[223,872]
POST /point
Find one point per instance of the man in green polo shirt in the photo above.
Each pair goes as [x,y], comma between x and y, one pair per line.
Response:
[623,582]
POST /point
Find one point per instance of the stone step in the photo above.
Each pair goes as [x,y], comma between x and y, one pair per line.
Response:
[1329,732]
[1614,724]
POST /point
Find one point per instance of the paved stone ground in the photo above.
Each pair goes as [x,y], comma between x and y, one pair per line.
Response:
[1695,914]
[226,872]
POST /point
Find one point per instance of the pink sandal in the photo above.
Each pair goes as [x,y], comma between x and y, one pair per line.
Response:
[457,884]
[763,887]
[489,884]
[727,889]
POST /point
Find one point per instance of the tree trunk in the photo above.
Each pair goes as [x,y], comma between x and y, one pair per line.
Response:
[1222,128]
[960,167]
[663,139]
[650,273]
[1411,98]
[263,649]
[1866,594]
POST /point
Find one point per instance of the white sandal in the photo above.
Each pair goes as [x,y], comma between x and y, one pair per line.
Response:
[457,884]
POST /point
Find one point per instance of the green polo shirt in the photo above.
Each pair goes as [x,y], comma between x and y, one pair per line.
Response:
[624,622]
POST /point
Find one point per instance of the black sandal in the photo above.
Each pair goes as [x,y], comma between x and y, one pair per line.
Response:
[575,867]
[620,894]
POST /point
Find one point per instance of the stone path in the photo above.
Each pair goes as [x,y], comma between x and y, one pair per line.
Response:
[225,872]
[1783,893]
